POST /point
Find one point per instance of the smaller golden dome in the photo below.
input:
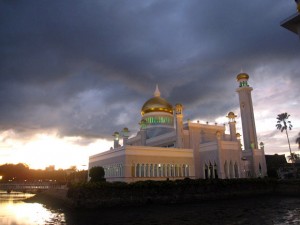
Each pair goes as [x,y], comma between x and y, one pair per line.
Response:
[125,129]
[231,115]
[241,76]
[116,134]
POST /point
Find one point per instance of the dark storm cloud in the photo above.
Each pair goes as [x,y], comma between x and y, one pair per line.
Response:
[85,68]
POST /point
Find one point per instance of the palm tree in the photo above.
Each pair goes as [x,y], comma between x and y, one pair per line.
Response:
[284,124]
[298,141]
[294,157]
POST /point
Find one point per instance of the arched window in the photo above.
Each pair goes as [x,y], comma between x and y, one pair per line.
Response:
[187,170]
[142,170]
[172,170]
[168,170]
[183,170]
[236,170]
[151,170]
[231,175]
[159,170]
[179,171]
[259,170]
[121,170]
[116,170]
[133,170]
[216,171]
[138,170]
[211,171]
[163,170]
[155,170]
[206,171]
[105,172]
[226,170]
[176,170]
[146,170]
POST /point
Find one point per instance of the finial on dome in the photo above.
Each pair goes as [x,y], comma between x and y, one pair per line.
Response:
[156,92]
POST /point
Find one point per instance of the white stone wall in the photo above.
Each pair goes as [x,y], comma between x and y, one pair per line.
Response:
[133,163]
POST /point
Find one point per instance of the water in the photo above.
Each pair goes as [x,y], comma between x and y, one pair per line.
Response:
[261,210]
[13,211]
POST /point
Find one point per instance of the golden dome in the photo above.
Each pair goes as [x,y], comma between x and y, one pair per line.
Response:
[231,115]
[242,76]
[125,129]
[157,104]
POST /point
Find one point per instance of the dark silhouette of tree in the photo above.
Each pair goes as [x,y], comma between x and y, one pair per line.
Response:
[78,177]
[293,157]
[22,173]
[14,172]
[298,141]
[97,174]
[284,124]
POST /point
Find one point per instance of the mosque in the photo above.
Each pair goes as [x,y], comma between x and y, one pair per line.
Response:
[168,148]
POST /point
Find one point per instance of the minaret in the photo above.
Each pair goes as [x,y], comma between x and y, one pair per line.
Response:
[116,139]
[179,125]
[247,115]
[125,135]
[232,126]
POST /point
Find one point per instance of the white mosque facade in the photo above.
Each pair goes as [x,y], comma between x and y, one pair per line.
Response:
[167,148]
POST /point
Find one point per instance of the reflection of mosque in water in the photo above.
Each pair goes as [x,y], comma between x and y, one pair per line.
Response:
[165,147]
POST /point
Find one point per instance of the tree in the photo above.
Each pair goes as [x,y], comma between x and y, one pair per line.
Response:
[97,174]
[293,157]
[298,141]
[14,172]
[284,124]
[78,176]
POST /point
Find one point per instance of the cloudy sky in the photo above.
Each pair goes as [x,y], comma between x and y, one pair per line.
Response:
[73,72]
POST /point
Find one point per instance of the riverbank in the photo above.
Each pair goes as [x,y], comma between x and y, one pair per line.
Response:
[106,195]
[267,210]
[55,198]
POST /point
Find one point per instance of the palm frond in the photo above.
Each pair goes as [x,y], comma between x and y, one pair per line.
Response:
[284,124]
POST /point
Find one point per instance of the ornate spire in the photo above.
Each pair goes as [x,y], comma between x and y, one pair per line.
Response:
[156,92]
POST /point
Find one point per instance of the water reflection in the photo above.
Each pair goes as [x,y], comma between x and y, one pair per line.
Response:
[14,211]
[260,210]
